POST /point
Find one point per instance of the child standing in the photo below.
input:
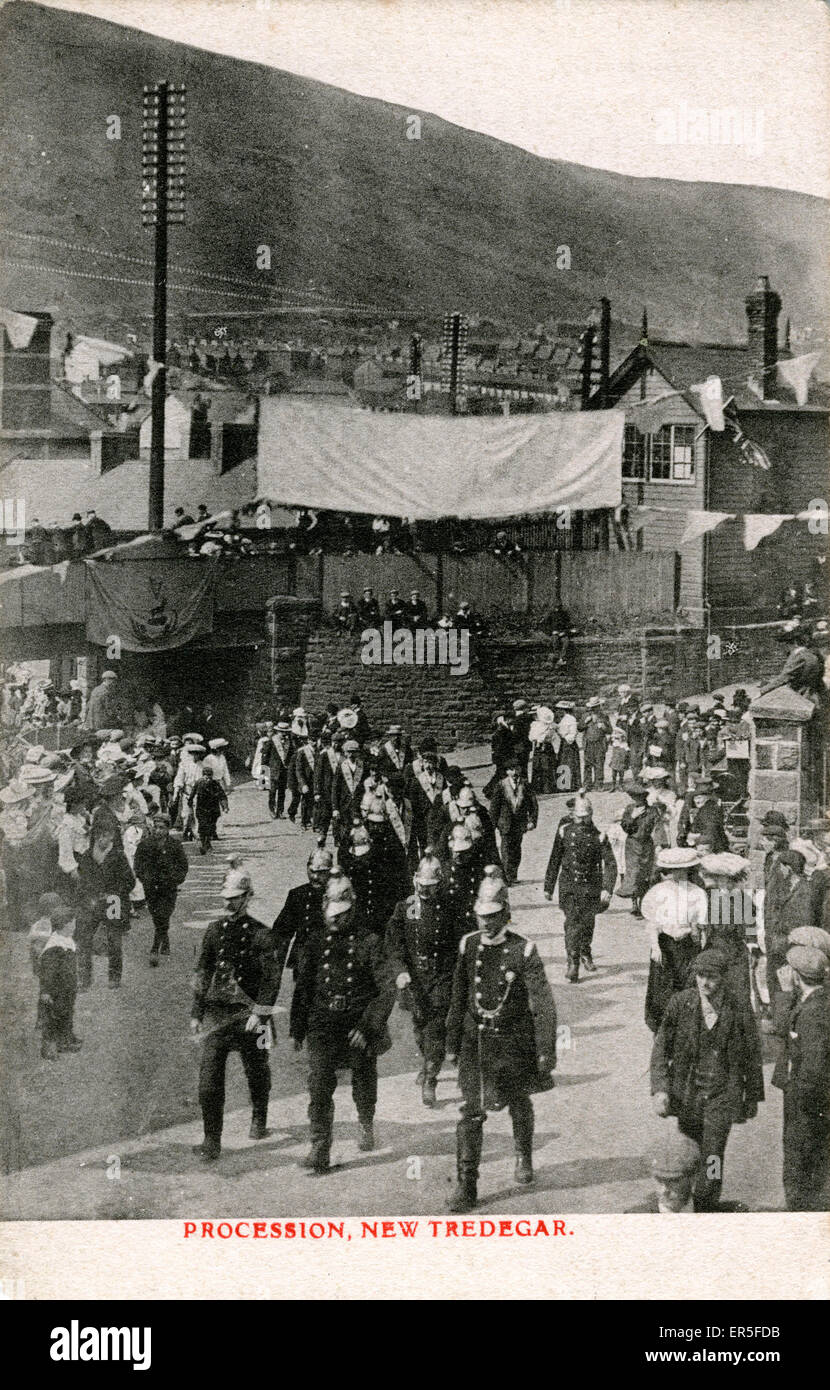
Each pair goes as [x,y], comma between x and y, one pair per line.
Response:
[619,756]
[58,986]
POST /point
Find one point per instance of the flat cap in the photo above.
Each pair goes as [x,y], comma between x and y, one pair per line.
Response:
[815,937]
[710,962]
[809,963]
[674,1156]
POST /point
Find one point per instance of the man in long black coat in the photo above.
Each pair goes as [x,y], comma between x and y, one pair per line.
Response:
[583,861]
[161,865]
[803,1074]
[704,1071]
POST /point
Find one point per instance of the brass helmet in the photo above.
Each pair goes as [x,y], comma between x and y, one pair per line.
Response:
[338,898]
[460,837]
[321,859]
[361,840]
[372,808]
[492,894]
[237,882]
[430,869]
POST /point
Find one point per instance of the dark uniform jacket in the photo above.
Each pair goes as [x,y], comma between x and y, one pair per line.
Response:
[501,1054]
[376,889]
[302,914]
[676,1052]
[462,878]
[421,941]
[585,859]
[803,1068]
[343,982]
[236,969]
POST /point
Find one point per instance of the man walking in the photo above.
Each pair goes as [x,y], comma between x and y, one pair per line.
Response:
[161,866]
[514,811]
[583,860]
[234,991]
[343,996]
[803,1074]
[276,756]
[502,1028]
[421,946]
[702,1070]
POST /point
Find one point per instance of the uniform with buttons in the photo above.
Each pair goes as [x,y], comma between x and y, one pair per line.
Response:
[343,982]
[421,942]
[235,976]
[583,861]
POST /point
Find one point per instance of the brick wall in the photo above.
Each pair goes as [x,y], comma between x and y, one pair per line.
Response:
[459,709]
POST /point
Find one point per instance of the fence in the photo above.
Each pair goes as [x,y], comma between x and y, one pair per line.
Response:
[609,586]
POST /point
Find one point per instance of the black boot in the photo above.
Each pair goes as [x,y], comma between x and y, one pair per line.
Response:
[468,1155]
[523,1141]
[366,1142]
[317,1159]
[588,961]
[428,1095]
[208,1150]
[259,1122]
[572,972]
[635,907]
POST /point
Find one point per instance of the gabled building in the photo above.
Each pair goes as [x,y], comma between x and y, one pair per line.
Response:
[673,464]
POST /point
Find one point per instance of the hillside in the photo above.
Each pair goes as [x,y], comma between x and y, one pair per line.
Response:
[347,203]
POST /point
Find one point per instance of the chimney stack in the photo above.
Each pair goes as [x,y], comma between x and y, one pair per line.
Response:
[762,309]
[25,377]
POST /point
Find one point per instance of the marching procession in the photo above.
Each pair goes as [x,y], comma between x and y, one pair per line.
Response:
[407,903]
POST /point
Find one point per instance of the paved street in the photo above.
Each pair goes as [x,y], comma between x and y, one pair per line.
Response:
[108,1132]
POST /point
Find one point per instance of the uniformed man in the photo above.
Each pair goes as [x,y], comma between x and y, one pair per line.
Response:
[463,875]
[422,947]
[302,911]
[235,988]
[502,1028]
[375,888]
[803,1074]
[343,996]
[583,855]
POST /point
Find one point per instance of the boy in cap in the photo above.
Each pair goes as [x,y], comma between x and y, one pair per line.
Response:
[803,1073]
[421,946]
[235,986]
[161,865]
[209,801]
[58,974]
[702,1070]
[674,1161]
[343,996]
[502,1028]
[368,609]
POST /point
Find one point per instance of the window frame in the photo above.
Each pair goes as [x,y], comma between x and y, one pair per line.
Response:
[671,480]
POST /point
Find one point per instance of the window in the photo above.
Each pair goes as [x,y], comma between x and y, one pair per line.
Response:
[672,453]
[634,453]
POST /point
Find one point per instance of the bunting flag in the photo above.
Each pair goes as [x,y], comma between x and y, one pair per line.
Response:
[19,327]
[699,523]
[711,400]
[796,373]
[757,525]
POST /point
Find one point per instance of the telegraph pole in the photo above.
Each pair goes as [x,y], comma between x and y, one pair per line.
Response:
[163,166]
[455,353]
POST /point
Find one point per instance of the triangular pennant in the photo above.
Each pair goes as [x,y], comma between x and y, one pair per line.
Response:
[711,400]
[796,373]
[757,525]
[698,523]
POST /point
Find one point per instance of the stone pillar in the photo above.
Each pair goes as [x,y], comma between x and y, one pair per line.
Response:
[785,766]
